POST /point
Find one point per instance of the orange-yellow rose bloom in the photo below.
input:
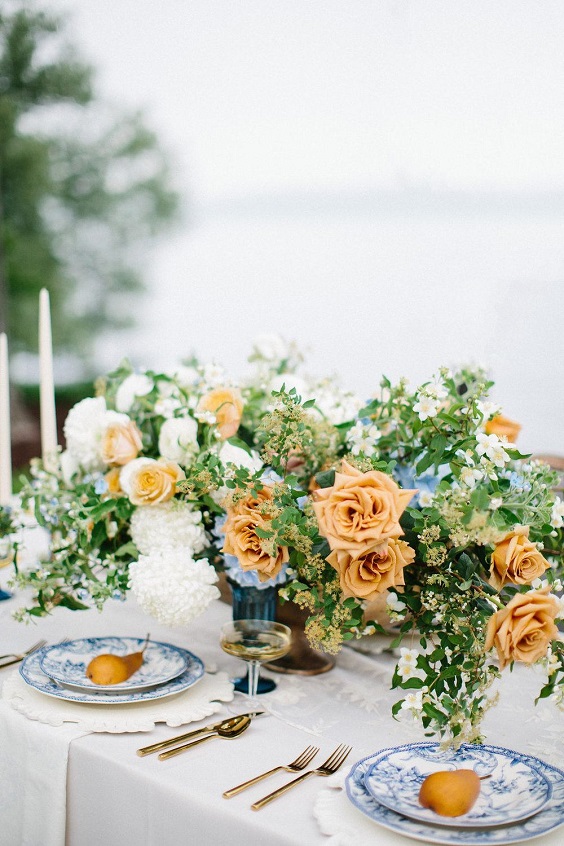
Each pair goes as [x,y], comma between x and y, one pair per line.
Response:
[371,572]
[361,509]
[500,425]
[523,629]
[112,478]
[516,560]
[121,442]
[147,481]
[227,406]
[241,539]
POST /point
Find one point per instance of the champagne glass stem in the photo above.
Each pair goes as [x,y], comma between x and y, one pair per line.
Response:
[254,672]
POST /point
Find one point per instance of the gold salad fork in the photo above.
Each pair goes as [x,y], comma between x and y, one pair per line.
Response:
[330,766]
[17,657]
[300,763]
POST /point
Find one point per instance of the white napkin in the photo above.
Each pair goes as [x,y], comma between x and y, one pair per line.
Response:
[33,794]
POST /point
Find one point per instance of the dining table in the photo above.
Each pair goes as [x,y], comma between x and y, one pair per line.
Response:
[66,782]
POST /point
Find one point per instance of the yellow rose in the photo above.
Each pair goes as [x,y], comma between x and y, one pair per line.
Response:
[500,425]
[227,406]
[147,481]
[121,443]
[241,539]
[112,478]
[523,629]
[371,572]
[361,509]
[516,560]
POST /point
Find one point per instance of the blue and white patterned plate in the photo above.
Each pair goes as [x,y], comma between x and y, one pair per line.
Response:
[31,672]
[66,663]
[551,816]
[513,791]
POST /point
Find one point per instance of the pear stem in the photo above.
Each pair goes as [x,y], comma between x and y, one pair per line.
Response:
[483,778]
[147,641]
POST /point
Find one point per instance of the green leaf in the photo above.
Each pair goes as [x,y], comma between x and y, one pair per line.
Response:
[326,479]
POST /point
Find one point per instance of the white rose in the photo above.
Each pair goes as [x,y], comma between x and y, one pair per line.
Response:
[178,439]
[186,377]
[231,454]
[83,429]
[270,347]
[135,385]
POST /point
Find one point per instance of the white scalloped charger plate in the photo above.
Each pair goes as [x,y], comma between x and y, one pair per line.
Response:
[66,663]
[34,676]
[550,817]
[513,791]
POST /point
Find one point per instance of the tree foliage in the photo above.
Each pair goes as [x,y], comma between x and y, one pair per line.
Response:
[82,189]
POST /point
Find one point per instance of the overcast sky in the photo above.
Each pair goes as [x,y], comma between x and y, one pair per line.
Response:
[320,147]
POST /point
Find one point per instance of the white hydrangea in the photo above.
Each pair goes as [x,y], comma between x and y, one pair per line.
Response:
[178,439]
[172,524]
[134,385]
[172,587]
[84,427]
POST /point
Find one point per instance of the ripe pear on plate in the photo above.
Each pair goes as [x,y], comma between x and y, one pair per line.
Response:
[450,793]
[108,669]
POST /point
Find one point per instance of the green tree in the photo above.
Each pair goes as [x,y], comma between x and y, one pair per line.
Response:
[82,189]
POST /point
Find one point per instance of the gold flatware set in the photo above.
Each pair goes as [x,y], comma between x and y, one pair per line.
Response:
[235,726]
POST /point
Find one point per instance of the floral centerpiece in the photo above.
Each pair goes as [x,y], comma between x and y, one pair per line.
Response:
[416,503]
[422,505]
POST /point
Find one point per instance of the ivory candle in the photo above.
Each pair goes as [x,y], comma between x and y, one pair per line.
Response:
[5,437]
[49,451]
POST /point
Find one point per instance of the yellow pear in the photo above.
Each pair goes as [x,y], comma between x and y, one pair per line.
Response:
[112,669]
[107,669]
[450,793]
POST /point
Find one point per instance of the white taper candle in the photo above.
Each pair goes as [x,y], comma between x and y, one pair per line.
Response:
[5,432]
[49,451]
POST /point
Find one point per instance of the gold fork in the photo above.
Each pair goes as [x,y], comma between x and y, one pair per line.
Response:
[330,766]
[17,657]
[300,763]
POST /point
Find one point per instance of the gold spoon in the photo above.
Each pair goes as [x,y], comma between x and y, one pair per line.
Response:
[231,728]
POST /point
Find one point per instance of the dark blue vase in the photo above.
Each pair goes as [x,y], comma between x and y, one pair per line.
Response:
[252,603]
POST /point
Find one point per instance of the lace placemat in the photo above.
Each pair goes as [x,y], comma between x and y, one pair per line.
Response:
[196,703]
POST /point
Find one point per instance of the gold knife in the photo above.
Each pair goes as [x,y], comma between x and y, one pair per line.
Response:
[172,741]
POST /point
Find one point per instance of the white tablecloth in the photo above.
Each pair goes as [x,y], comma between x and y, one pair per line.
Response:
[116,798]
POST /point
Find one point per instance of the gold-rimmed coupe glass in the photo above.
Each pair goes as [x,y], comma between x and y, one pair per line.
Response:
[256,642]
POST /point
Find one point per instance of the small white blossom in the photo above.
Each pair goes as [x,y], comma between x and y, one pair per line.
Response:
[436,390]
[425,499]
[495,503]
[395,604]
[413,701]
[363,439]
[487,408]
[470,475]
[557,513]
[491,447]
[426,407]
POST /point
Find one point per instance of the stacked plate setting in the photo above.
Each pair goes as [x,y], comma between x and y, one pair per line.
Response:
[522,798]
[60,671]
